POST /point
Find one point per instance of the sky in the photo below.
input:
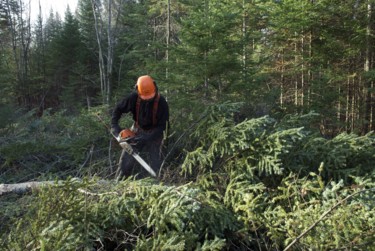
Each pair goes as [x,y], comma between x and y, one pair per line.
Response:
[57,6]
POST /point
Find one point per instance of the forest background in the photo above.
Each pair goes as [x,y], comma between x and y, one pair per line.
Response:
[271,143]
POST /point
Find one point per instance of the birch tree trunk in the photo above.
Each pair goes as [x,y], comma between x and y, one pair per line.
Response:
[282,80]
[244,46]
[98,32]
[40,48]
[369,96]
[20,30]
[295,78]
[309,72]
[302,69]
[108,87]
[105,60]
[347,105]
[21,188]
[338,113]
[206,8]
[352,109]
[168,39]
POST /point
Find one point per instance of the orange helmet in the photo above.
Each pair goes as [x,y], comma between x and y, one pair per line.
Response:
[126,133]
[146,87]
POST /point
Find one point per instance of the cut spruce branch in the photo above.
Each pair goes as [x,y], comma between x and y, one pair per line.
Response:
[324,215]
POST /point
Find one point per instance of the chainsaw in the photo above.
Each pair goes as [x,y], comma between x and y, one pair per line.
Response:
[123,139]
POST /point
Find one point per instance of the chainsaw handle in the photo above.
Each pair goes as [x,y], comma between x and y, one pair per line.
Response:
[120,140]
[127,147]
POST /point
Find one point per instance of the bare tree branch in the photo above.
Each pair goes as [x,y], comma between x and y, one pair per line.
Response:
[324,215]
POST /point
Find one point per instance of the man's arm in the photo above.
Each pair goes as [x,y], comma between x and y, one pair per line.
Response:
[124,106]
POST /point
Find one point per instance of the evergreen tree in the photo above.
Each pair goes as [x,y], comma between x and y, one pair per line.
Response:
[134,45]
[149,30]
[19,28]
[52,30]
[317,59]
[38,64]
[89,59]
[208,57]
[69,45]
[7,76]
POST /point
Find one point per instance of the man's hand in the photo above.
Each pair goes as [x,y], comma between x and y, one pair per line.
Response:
[115,130]
[139,141]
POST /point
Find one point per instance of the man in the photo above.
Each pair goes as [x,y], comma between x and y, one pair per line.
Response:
[150,113]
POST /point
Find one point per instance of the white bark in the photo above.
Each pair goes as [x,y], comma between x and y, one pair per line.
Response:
[106,54]
[20,30]
[21,188]
[168,36]
[367,66]
[109,55]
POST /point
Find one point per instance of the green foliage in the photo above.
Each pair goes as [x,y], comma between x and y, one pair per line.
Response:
[232,155]
[146,215]
[278,216]
[52,144]
[342,156]
[302,56]
[7,75]
[208,58]
[7,115]
[301,201]
[258,185]
[264,147]
[141,215]
[258,182]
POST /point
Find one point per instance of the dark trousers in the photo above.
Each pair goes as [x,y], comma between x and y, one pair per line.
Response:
[151,153]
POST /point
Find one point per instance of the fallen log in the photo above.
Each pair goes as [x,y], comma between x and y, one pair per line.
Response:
[21,188]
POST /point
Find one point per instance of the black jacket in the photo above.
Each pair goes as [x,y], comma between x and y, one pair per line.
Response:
[129,103]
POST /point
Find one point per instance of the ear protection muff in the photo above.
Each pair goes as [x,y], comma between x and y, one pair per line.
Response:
[156,87]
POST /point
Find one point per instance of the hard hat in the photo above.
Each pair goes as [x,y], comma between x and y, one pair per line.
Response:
[146,87]
[126,133]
